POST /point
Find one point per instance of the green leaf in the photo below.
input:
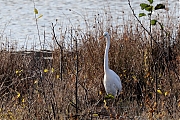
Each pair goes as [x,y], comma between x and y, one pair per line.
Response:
[109,96]
[35,11]
[153,22]
[150,1]
[40,16]
[142,14]
[149,9]
[95,115]
[144,5]
[159,6]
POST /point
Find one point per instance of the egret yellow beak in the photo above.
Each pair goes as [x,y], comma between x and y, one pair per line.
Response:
[101,37]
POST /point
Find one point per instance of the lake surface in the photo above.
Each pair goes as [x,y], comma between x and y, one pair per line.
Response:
[18,26]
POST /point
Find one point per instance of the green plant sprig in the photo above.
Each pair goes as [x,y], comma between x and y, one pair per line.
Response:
[150,8]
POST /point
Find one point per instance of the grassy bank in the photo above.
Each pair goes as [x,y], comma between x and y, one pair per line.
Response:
[34,87]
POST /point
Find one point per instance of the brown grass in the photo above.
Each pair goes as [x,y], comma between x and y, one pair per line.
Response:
[149,74]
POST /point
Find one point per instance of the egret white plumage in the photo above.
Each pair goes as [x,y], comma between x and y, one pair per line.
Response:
[112,82]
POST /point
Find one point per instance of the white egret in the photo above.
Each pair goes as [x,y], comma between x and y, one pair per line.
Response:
[112,82]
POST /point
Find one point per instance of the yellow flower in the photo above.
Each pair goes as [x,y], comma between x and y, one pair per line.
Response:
[45,70]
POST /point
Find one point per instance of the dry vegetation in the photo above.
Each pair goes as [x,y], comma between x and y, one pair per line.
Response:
[35,88]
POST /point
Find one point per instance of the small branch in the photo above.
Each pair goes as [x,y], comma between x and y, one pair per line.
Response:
[54,36]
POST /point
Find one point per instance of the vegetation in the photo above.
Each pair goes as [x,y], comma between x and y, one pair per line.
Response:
[69,85]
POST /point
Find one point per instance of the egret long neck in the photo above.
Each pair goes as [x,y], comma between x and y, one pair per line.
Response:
[106,66]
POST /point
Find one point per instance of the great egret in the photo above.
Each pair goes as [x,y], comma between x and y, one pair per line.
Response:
[112,82]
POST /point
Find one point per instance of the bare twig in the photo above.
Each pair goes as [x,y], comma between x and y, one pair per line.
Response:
[60,46]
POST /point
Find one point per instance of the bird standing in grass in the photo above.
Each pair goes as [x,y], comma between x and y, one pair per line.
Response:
[112,82]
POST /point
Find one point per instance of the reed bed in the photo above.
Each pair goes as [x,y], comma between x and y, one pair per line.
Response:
[41,87]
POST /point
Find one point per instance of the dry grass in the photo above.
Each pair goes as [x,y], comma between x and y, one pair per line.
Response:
[34,88]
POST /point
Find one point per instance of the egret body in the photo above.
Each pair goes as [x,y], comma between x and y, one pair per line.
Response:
[112,82]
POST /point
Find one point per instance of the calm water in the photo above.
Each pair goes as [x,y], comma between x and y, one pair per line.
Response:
[17,23]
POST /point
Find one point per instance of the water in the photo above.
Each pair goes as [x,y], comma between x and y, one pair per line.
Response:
[18,24]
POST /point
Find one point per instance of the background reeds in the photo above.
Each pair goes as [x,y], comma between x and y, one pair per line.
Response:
[42,85]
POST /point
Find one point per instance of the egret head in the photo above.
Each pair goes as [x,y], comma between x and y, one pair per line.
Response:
[106,34]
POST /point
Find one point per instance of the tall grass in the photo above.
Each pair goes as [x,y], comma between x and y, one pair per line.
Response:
[32,87]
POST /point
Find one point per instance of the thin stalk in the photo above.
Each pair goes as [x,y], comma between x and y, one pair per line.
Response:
[61,48]
[76,79]
[150,28]
[37,26]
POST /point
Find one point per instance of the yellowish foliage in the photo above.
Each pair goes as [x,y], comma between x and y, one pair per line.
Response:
[104,102]
[159,91]
[40,16]
[147,75]
[57,76]
[166,93]
[100,92]
[135,79]
[52,70]
[95,115]
[46,70]
[23,100]
[18,94]
[35,11]
[36,81]
[17,71]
